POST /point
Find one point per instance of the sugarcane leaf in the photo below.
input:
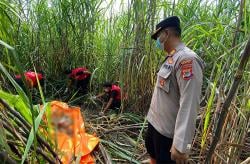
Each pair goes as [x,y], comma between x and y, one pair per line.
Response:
[31,135]
[17,102]
[3,142]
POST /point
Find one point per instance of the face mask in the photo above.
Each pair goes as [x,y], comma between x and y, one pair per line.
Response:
[159,44]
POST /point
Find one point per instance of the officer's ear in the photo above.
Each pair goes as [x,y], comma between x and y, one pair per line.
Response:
[163,35]
[166,32]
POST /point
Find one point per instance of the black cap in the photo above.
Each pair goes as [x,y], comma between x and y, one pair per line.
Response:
[172,21]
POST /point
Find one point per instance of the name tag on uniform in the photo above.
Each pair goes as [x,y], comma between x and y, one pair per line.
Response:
[168,66]
[164,72]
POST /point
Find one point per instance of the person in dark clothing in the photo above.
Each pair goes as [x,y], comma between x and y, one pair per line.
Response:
[79,79]
[111,96]
[32,79]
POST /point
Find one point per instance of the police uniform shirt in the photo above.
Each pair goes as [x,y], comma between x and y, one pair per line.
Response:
[176,97]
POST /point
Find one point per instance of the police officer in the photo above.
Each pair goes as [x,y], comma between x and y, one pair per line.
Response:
[111,95]
[176,97]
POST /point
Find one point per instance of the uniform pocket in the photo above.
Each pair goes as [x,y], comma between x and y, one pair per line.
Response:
[163,80]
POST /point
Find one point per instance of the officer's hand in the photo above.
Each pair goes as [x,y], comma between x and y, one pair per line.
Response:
[178,157]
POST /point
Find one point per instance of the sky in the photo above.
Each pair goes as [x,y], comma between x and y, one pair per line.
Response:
[121,5]
[116,8]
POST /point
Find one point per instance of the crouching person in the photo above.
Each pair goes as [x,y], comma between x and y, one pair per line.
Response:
[79,79]
[111,97]
[31,79]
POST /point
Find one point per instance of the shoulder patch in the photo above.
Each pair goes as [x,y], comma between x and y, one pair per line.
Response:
[186,61]
[186,69]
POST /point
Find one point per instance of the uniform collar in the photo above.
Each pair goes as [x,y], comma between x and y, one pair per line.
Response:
[179,47]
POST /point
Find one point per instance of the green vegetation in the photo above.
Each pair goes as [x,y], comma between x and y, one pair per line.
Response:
[112,38]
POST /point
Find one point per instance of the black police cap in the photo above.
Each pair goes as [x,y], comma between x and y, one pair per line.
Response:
[172,21]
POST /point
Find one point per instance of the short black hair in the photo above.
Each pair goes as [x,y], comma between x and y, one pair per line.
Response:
[107,84]
[176,31]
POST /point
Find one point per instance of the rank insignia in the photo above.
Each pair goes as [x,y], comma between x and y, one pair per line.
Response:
[173,51]
[170,60]
[162,82]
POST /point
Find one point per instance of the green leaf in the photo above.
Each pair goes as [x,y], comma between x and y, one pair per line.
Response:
[17,87]
[209,106]
[3,142]
[6,45]
[17,102]
[248,105]
[31,135]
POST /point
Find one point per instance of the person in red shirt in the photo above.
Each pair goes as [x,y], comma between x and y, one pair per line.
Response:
[111,95]
[30,77]
[79,78]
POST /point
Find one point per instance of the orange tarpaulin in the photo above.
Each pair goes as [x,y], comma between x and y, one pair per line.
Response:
[69,134]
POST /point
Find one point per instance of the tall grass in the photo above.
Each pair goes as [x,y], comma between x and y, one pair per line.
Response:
[62,34]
